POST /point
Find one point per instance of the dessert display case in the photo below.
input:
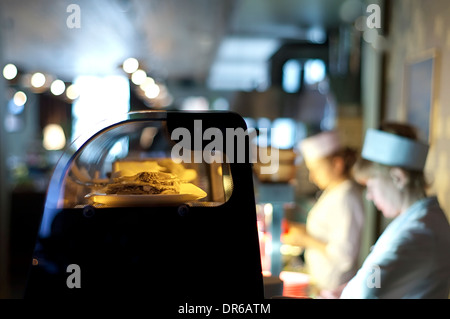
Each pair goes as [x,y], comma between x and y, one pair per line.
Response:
[144,206]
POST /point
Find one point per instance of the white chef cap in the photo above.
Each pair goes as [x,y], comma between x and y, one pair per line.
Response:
[394,150]
[320,145]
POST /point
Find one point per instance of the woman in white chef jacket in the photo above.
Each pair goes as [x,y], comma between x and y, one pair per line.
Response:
[411,259]
[332,234]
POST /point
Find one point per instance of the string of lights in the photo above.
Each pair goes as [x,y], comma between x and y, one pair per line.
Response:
[146,87]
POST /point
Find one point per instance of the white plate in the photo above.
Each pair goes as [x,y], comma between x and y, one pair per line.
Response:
[188,192]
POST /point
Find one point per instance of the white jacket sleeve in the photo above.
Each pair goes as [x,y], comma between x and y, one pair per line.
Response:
[345,238]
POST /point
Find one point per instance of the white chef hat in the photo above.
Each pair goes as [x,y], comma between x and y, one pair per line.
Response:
[394,150]
[320,145]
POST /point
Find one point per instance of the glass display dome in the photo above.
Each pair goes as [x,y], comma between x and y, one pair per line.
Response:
[146,200]
[131,163]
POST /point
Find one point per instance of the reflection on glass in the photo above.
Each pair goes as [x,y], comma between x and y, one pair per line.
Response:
[129,164]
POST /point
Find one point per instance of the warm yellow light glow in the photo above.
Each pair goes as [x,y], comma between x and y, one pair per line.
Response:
[72,92]
[130,65]
[20,98]
[38,80]
[57,87]
[9,71]
[268,209]
[290,250]
[148,82]
[138,77]
[152,91]
[294,277]
[54,138]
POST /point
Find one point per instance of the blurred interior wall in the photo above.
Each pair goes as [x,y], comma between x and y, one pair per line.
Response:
[371,98]
[420,29]
[4,192]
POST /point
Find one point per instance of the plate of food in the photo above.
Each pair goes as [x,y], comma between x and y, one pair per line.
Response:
[147,189]
[166,165]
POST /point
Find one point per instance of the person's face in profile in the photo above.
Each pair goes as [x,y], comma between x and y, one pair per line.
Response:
[324,171]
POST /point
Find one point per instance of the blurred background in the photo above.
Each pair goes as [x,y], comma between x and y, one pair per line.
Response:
[295,66]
